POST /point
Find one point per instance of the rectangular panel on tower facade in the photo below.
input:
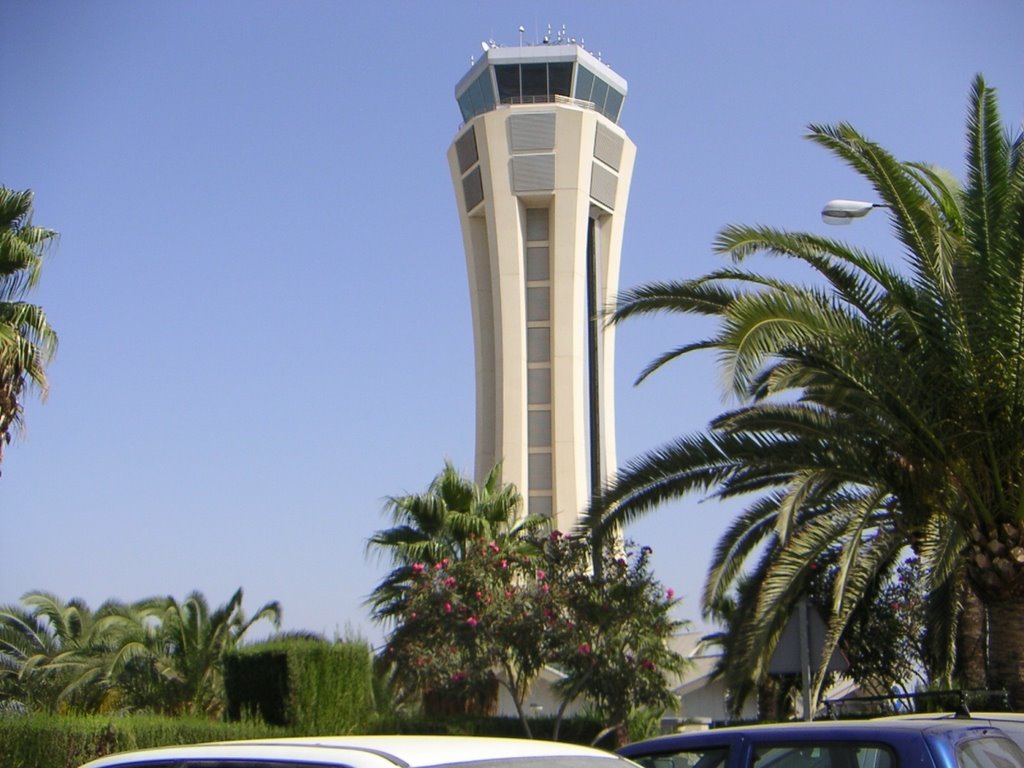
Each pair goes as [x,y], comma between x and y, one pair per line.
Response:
[473,189]
[465,150]
[541,505]
[532,131]
[538,345]
[537,262]
[538,304]
[538,386]
[537,225]
[539,471]
[538,429]
[608,147]
[533,173]
[603,185]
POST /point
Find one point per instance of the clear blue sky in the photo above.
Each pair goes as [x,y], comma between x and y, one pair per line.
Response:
[260,286]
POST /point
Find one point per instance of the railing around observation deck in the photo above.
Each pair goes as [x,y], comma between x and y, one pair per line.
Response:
[556,98]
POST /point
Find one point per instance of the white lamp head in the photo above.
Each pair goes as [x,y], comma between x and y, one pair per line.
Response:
[844,211]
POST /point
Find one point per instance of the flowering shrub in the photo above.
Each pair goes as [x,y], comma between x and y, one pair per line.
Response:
[500,616]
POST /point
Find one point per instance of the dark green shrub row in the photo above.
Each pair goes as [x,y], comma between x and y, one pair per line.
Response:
[304,685]
[48,741]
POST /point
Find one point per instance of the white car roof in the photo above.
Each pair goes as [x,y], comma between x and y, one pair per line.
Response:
[366,751]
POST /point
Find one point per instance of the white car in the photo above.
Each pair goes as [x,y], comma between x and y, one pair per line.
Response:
[369,752]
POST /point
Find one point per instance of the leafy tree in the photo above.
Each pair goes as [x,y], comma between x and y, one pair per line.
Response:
[886,640]
[498,617]
[469,624]
[617,622]
[27,342]
[882,406]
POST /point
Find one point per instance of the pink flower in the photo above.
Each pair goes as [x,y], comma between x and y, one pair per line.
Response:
[493,546]
[417,568]
[541,575]
[472,621]
[504,564]
[670,593]
[479,594]
[447,607]
[647,664]
[450,582]
[555,535]
[545,588]
[584,648]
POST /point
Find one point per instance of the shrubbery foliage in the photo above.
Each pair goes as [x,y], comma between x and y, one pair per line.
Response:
[53,741]
[310,686]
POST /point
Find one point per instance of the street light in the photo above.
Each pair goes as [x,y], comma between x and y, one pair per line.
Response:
[838,212]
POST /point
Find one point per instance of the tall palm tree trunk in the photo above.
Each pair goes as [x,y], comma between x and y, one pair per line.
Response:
[972,648]
[1006,649]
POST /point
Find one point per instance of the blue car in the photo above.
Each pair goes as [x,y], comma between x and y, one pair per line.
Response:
[895,743]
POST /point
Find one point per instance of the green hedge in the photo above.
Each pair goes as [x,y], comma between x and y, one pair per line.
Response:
[304,685]
[48,741]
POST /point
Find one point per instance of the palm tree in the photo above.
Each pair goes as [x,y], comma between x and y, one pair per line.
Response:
[26,644]
[442,523]
[27,342]
[154,655]
[883,406]
[56,653]
[177,663]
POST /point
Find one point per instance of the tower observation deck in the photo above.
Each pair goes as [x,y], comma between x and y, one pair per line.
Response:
[541,171]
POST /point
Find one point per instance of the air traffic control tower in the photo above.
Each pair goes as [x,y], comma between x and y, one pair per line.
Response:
[541,171]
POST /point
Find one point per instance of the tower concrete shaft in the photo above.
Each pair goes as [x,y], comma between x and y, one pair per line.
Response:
[541,172]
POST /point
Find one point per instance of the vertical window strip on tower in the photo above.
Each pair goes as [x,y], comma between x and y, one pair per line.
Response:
[537,289]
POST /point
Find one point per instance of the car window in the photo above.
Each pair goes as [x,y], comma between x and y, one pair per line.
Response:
[707,757]
[1012,728]
[823,756]
[989,752]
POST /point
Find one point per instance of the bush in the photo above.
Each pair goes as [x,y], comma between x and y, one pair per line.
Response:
[52,741]
[305,685]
